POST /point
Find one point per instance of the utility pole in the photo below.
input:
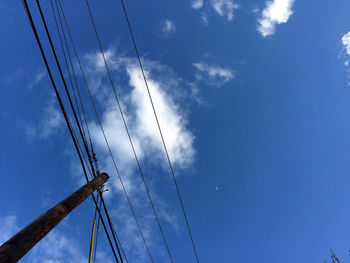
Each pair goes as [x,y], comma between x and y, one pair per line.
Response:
[17,246]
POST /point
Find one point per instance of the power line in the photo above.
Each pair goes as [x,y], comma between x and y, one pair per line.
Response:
[75,79]
[65,115]
[133,146]
[95,109]
[93,159]
[130,140]
[111,226]
[63,80]
[66,63]
[97,231]
[159,128]
[79,146]
[121,247]
[62,108]
[121,181]
[76,119]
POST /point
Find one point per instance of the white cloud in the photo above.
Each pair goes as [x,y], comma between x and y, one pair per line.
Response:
[137,109]
[178,139]
[169,93]
[21,76]
[197,4]
[346,42]
[224,8]
[49,124]
[168,26]
[38,77]
[8,227]
[55,247]
[53,121]
[217,75]
[255,10]
[275,12]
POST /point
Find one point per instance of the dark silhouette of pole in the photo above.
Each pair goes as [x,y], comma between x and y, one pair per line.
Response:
[17,246]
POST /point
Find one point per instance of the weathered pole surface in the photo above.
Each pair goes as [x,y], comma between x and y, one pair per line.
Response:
[17,246]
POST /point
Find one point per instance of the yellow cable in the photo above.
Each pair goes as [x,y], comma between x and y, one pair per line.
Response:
[92,240]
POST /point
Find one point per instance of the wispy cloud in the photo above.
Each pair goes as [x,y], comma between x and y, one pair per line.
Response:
[8,227]
[165,90]
[224,8]
[54,247]
[37,78]
[168,27]
[178,138]
[21,75]
[275,12]
[50,122]
[346,42]
[346,46]
[197,4]
[170,94]
[214,75]
[57,247]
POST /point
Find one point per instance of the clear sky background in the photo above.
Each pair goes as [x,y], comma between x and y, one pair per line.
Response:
[254,101]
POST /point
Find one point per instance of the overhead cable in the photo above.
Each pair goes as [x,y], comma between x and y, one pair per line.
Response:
[129,137]
[97,115]
[160,130]
[121,181]
[76,119]
[64,114]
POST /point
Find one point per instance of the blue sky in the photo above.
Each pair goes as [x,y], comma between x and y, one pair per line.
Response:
[253,98]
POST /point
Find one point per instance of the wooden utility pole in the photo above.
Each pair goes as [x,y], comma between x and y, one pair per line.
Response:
[17,246]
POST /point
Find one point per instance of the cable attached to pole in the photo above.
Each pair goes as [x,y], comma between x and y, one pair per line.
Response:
[97,231]
[75,116]
[93,160]
[119,106]
[65,115]
[63,81]
[93,233]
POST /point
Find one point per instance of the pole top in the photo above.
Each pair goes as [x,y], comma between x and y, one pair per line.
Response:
[105,175]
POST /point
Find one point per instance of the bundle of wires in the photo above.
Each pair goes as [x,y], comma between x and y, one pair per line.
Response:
[82,140]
